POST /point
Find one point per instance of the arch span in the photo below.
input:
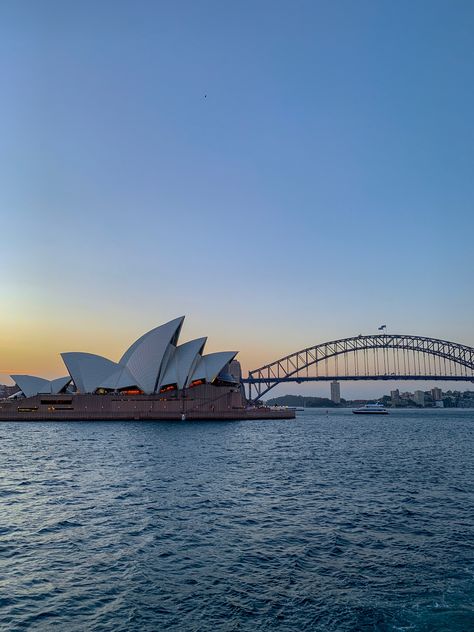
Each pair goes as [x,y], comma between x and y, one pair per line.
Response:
[372,357]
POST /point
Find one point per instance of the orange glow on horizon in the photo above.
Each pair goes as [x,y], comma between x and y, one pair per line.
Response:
[31,343]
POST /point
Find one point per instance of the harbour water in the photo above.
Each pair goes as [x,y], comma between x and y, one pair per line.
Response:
[330,522]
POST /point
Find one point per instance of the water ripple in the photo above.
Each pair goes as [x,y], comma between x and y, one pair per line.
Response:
[328,523]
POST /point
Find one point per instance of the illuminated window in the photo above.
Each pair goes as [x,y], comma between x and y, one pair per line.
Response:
[197,383]
[168,388]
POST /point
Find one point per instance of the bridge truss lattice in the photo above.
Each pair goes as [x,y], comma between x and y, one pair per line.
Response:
[372,357]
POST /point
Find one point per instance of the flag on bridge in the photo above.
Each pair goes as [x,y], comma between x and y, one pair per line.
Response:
[382,327]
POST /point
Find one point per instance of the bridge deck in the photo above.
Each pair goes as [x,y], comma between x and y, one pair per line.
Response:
[339,378]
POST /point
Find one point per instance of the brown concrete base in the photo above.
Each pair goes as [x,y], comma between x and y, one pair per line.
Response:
[204,402]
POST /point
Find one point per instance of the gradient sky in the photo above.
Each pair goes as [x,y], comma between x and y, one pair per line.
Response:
[322,187]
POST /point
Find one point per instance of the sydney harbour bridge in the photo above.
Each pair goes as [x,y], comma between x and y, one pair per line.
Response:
[372,357]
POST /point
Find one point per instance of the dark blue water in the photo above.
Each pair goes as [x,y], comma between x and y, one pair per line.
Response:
[329,522]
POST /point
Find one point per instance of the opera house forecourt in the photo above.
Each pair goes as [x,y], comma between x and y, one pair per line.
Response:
[156,378]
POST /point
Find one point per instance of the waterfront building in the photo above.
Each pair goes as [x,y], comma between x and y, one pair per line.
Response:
[155,363]
[436,394]
[395,397]
[156,378]
[419,398]
[335,392]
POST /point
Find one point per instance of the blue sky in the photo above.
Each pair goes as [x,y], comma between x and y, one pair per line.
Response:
[283,173]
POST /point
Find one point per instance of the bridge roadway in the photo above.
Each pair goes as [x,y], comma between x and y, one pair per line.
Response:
[367,378]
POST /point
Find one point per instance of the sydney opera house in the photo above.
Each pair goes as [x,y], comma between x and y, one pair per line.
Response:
[156,378]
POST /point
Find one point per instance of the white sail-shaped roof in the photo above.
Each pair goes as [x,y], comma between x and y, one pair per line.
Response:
[16,395]
[121,378]
[31,384]
[183,362]
[152,361]
[59,383]
[88,370]
[146,359]
[210,365]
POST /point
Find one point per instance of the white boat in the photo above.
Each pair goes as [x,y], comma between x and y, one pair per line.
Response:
[371,409]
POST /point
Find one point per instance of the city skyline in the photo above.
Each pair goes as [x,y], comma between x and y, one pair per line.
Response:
[285,176]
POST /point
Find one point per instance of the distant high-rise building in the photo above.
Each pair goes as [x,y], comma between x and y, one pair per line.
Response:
[336,392]
[395,396]
[436,394]
[419,398]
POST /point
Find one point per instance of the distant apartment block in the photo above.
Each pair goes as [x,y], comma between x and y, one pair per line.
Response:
[336,392]
[419,398]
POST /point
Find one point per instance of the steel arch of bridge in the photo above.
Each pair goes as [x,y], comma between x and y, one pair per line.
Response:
[291,368]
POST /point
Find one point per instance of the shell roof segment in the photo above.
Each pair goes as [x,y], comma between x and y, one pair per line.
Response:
[152,361]
[210,365]
[183,362]
[59,384]
[147,357]
[88,370]
[31,385]
[121,378]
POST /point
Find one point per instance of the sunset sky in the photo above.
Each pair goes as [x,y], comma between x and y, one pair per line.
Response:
[282,173]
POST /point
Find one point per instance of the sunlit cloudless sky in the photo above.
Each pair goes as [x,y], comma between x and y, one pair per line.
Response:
[283,173]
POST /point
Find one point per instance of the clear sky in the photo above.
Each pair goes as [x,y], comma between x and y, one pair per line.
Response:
[283,173]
